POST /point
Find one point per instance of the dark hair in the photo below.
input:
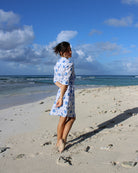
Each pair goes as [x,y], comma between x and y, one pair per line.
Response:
[61,48]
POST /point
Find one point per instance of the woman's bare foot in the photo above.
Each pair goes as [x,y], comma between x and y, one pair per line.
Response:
[61,145]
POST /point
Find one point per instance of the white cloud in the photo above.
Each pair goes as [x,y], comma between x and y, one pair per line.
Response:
[66,35]
[11,35]
[94,31]
[62,36]
[131,67]
[34,55]
[108,46]
[86,57]
[130,2]
[80,53]
[16,38]
[95,50]
[89,59]
[124,66]
[8,19]
[123,22]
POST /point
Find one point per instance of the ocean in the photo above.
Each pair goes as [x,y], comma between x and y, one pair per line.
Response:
[19,89]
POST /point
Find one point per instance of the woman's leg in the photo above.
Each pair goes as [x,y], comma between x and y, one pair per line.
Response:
[60,128]
[67,127]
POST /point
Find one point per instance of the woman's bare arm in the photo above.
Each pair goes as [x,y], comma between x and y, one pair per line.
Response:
[62,92]
[58,84]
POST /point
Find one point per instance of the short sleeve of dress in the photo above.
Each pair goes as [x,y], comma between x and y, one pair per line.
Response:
[67,74]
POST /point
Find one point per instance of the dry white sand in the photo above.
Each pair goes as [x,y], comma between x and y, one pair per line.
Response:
[104,137]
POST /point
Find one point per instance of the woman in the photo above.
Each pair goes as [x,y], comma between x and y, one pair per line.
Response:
[64,105]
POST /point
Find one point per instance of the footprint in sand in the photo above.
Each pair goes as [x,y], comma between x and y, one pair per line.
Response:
[64,161]
[47,143]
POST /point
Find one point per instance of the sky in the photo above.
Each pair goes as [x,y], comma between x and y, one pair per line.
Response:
[102,33]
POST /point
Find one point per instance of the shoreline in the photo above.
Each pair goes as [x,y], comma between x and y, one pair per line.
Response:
[16,99]
[103,137]
[7,101]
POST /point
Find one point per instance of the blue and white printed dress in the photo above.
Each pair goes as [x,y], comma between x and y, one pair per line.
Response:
[64,73]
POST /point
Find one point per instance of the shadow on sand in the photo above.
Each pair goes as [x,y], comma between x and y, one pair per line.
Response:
[107,124]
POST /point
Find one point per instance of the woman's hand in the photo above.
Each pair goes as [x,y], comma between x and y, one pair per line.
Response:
[59,102]
[62,92]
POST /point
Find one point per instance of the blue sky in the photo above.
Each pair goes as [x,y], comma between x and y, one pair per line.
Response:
[102,33]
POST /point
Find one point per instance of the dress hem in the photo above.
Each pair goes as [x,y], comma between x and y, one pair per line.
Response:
[63,116]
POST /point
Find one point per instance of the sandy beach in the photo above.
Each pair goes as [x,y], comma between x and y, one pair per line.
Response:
[104,137]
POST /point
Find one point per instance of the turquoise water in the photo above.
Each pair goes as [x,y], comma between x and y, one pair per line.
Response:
[30,83]
[107,80]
